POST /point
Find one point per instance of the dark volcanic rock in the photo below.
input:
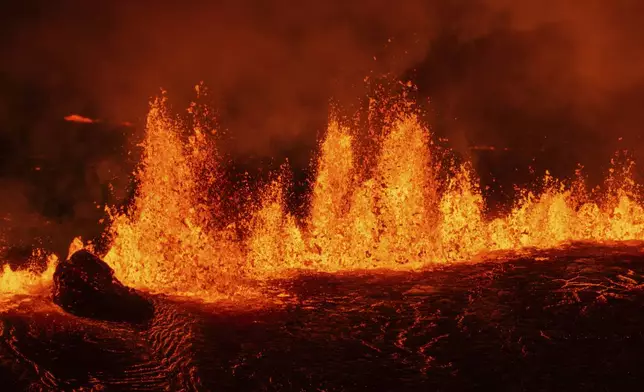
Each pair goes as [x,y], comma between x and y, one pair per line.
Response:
[567,319]
[85,286]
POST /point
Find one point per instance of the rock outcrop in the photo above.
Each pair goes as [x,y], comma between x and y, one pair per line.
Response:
[86,286]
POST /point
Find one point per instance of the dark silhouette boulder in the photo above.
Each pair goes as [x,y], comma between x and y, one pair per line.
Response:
[86,286]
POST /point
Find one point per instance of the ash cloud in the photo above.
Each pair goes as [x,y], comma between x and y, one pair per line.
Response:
[557,80]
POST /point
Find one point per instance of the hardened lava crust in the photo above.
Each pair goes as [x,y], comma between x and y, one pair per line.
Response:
[563,319]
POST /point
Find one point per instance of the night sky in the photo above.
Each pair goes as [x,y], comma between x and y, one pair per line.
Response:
[556,82]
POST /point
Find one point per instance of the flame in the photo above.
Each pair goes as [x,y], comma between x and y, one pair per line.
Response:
[397,208]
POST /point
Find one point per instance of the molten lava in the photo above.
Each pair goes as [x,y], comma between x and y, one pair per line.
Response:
[28,281]
[164,243]
[395,211]
[79,119]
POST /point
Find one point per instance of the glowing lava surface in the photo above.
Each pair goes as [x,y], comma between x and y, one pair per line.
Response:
[392,207]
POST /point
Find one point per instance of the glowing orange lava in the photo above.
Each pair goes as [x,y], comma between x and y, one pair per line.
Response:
[396,215]
[79,119]
[164,244]
[26,281]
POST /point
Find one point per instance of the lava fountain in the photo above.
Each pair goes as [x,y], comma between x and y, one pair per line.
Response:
[400,213]
[164,243]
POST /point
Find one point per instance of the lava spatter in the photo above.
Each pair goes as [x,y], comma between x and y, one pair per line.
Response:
[398,217]
[403,212]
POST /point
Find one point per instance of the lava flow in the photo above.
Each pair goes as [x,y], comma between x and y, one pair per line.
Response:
[394,210]
[29,281]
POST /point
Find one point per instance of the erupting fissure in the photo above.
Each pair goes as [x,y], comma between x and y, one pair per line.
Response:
[398,213]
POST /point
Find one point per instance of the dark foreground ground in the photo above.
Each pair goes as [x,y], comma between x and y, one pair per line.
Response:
[568,319]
